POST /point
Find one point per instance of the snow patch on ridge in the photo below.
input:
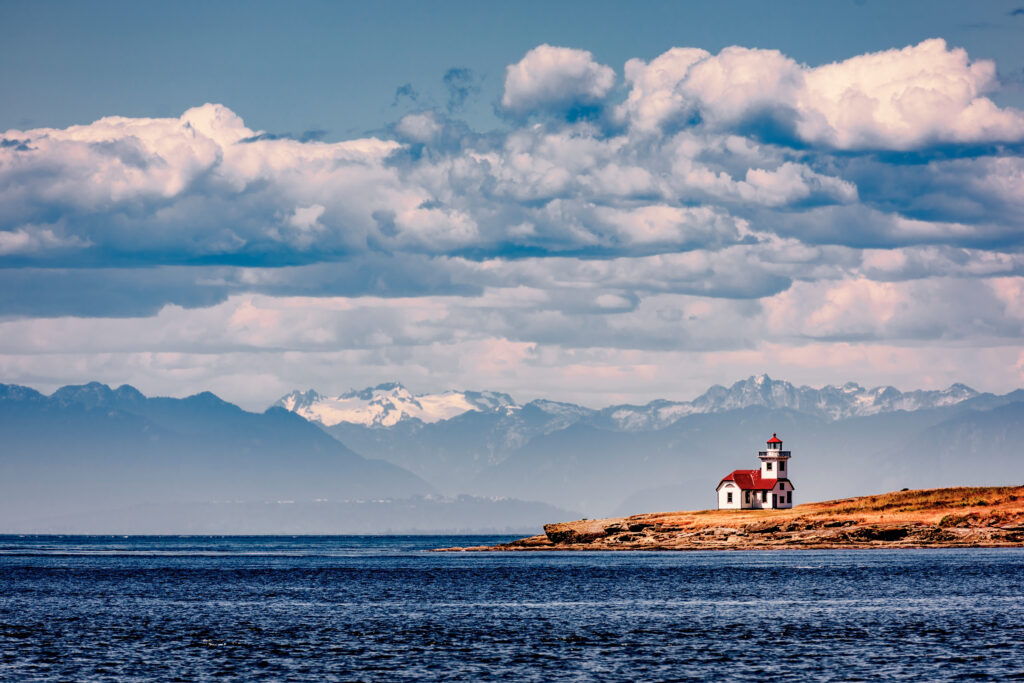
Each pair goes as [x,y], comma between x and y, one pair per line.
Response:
[830,402]
[387,404]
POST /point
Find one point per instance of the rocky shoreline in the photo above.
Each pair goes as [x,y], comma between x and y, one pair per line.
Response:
[961,517]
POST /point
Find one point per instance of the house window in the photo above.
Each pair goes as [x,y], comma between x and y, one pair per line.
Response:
[728,497]
[782,466]
[764,496]
[769,467]
[746,496]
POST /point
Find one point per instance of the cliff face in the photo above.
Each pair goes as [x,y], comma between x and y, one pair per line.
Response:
[953,517]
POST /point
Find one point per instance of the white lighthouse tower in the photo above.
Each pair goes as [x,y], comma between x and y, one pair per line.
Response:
[774,460]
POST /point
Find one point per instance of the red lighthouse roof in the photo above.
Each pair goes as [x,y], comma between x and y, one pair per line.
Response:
[750,480]
[774,439]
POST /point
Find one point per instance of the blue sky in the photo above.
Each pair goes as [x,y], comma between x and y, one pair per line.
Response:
[335,66]
[588,201]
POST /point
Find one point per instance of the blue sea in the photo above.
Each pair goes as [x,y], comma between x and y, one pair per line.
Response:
[384,608]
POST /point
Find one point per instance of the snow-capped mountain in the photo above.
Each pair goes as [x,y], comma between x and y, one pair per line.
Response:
[387,404]
[829,402]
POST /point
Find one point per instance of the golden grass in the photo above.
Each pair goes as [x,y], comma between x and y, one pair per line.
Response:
[928,506]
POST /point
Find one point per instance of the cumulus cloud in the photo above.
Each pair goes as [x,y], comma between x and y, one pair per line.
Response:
[529,341]
[555,79]
[190,188]
[204,188]
[731,204]
[419,127]
[913,263]
[937,308]
[896,99]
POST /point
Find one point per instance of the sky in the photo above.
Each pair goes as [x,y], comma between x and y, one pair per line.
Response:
[585,201]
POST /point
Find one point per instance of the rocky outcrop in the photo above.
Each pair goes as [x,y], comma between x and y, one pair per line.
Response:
[957,517]
[584,531]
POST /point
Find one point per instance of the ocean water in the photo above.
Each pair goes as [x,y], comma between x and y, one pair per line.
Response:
[384,608]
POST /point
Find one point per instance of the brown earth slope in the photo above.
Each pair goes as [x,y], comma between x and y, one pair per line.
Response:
[935,518]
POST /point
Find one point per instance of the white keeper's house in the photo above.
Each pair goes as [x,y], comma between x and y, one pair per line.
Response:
[767,487]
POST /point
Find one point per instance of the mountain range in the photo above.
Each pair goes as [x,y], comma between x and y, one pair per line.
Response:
[388,404]
[91,458]
[670,454]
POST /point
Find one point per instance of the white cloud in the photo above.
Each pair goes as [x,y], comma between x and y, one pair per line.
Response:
[555,78]
[304,224]
[934,308]
[197,184]
[654,98]
[787,183]
[660,224]
[895,99]
[203,186]
[30,239]
[929,261]
[791,183]
[602,348]
[587,251]
[420,126]
[902,99]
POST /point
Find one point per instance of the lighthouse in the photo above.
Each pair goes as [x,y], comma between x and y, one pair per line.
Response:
[774,460]
[768,487]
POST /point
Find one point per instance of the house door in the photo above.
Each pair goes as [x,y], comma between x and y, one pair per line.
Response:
[775,499]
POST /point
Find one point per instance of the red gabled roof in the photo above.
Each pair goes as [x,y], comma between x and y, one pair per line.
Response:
[775,438]
[749,480]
